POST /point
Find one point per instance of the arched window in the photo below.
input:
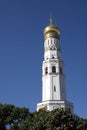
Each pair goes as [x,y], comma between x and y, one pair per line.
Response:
[46,70]
[53,69]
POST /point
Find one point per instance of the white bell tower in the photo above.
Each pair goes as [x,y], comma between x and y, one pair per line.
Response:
[53,77]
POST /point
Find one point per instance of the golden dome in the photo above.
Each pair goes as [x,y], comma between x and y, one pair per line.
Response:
[51,31]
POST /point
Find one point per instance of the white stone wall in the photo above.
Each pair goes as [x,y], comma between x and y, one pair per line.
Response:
[46,89]
[50,80]
[56,84]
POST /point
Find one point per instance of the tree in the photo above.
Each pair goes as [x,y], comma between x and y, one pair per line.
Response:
[15,127]
[21,119]
[19,115]
[12,116]
[58,119]
[5,114]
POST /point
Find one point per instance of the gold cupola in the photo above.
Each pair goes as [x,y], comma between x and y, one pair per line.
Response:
[51,31]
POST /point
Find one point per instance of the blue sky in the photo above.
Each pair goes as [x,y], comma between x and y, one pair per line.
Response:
[21,50]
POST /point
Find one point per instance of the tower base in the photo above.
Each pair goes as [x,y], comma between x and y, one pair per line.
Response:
[51,105]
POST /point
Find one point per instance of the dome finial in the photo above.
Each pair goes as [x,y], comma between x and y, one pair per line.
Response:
[51,21]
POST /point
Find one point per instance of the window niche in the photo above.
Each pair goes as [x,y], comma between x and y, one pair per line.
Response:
[54,88]
[46,70]
[53,69]
[53,57]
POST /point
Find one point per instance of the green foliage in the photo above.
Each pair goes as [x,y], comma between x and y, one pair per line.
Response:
[15,127]
[59,119]
[12,116]
[5,113]
[21,119]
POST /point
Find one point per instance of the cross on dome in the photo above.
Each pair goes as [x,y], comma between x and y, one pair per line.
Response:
[51,20]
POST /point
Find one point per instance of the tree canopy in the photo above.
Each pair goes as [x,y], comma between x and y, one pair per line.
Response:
[16,118]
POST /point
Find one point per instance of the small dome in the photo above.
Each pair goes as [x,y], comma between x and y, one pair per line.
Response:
[51,31]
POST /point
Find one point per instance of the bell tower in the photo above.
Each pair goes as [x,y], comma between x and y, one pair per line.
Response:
[53,76]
